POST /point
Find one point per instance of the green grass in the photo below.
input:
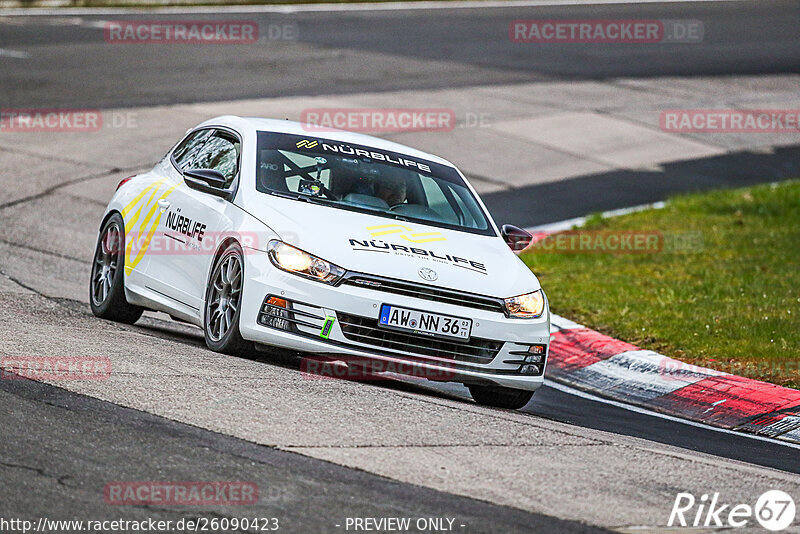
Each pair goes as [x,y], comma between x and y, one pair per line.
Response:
[728,299]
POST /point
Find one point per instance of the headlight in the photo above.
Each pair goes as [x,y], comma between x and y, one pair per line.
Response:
[528,306]
[295,261]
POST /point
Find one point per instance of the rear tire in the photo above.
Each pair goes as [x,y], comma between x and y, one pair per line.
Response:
[223,303]
[500,397]
[107,284]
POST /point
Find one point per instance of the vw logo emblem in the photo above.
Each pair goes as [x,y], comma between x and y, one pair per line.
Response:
[428,274]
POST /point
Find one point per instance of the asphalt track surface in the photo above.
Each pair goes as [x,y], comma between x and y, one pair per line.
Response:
[59,448]
[344,52]
[71,66]
[306,495]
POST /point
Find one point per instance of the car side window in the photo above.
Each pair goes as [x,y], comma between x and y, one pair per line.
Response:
[221,153]
[185,152]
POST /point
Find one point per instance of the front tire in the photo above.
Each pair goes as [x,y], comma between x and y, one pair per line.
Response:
[500,397]
[223,303]
[107,284]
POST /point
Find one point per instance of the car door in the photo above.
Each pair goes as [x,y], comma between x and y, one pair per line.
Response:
[191,221]
[143,212]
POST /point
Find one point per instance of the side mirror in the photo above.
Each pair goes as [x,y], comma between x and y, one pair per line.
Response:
[208,181]
[516,238]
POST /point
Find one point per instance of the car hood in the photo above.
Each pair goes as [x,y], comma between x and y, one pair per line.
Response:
[398,249]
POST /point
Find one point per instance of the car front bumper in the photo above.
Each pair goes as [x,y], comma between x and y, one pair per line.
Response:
[490,357]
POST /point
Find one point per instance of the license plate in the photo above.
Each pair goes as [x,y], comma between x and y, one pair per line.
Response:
[420,322]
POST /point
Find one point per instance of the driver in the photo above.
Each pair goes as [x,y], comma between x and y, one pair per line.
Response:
[392,189]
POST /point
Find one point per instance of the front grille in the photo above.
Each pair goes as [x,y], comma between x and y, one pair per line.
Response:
[365,330]
[422,291]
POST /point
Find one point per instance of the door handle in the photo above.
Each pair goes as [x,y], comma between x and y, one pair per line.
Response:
[163,203]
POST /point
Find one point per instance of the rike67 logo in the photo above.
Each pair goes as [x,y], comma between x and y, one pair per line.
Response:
[774,510]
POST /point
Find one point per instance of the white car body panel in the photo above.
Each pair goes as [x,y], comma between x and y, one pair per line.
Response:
[464,262]
[304,226]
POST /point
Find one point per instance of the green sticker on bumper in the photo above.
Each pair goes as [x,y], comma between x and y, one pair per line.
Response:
[325,333]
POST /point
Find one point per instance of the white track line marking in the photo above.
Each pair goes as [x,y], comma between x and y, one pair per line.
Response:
[568,224]
[306,8]
[578,393]
[18,54]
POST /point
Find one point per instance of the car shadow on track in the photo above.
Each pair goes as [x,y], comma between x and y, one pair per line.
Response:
[163,328]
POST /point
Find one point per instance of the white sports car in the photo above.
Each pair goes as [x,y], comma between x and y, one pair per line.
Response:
[341,245]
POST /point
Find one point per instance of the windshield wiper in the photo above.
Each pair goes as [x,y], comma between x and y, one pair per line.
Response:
[293,196]
[299,196]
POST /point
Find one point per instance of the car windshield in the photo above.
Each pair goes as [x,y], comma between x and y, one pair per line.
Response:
[366,179]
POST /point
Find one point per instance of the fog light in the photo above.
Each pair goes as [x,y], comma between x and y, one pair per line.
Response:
[275,313]
[536,354]
[531,370]
[275,301]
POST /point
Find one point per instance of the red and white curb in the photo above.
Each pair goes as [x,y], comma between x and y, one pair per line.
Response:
[590,361]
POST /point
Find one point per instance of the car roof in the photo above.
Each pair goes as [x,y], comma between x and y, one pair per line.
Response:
[298,128]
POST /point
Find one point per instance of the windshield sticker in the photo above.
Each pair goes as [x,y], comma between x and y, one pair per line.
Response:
[323,146]
[378,156]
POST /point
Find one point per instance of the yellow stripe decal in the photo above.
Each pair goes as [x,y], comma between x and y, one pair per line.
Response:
[132,222]
[138,197]
[419,237]
[133,263]
[130,264]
